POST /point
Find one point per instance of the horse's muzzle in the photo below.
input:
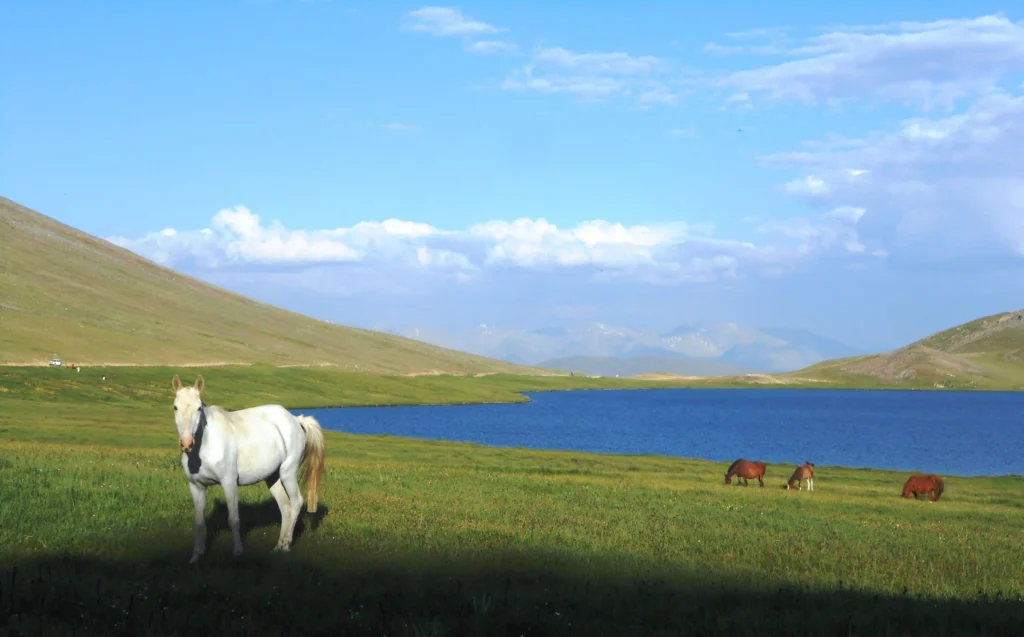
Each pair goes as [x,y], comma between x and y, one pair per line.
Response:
[186,443]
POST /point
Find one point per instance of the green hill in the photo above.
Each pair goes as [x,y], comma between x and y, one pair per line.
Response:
[68,294]
[986,353]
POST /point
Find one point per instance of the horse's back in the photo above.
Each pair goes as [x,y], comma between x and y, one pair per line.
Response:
[266,422]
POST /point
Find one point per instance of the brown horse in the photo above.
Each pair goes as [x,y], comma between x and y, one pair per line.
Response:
[745,469]
[921,484]
[802,473]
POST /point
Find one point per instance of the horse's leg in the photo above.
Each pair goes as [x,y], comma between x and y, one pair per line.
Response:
[199,521]
[290,481]
[230,486]
[760,481]
[283,504]
[810,484]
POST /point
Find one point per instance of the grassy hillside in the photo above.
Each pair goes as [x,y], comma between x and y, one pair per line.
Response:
[987,353]
[66,293]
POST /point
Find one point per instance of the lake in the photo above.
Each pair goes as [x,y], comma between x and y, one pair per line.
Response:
[946,432]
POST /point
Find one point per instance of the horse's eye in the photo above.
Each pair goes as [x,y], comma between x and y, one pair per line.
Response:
[175,408]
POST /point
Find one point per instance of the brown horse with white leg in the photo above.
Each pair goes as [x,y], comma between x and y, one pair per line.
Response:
[921,484]
[744,470]
[804,472]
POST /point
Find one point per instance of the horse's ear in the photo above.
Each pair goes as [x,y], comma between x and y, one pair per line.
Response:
[199,384]
[176,383]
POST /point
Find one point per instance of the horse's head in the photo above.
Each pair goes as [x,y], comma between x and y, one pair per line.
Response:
[728,479]
[187,404]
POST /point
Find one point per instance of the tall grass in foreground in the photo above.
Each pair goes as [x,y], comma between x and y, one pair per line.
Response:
[428,538]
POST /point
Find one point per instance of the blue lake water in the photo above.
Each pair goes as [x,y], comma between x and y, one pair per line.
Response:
[956,433]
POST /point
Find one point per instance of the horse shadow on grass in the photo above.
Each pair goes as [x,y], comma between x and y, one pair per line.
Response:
[259,515]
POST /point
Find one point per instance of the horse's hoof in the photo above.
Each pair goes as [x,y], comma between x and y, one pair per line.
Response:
[194,560]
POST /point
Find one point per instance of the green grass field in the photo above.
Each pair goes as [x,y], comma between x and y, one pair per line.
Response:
[436,538]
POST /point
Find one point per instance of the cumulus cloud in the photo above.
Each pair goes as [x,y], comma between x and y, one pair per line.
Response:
[932,64]
[934,187]
[450,22]
[593,75]
[445,22]
[238,239]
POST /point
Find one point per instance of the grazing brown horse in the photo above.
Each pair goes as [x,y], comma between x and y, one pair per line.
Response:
[802,473]
[745,469]
[920,484]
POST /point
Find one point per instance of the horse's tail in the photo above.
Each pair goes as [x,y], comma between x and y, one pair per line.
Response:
[940,486]
[312,466]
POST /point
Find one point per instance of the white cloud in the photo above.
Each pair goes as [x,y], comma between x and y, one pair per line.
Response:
[659,95]
[839,228]
[445,22]
[598,63]
[934,188]
[811,185]
[491,46]
[237,239]
[594,75]
[926,63]
[764,49]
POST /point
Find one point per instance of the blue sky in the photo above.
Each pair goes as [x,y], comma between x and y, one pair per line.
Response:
[850,170]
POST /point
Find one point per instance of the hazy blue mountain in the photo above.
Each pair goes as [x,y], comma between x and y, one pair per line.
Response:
[741,347]
[633,365]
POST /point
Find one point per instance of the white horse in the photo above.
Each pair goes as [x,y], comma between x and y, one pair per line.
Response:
[239,448]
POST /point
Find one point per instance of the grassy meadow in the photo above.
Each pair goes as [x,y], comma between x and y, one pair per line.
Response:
[435,538]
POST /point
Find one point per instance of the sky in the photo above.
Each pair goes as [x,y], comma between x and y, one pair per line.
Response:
[851,170]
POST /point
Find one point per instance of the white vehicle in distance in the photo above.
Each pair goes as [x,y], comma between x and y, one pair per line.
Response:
[56,363]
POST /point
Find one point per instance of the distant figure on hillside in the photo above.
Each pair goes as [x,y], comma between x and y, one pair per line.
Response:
[920,484]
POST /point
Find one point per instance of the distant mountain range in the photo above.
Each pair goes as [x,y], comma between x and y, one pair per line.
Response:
[691,349]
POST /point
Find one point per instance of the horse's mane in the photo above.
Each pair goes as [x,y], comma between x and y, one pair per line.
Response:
[733,465]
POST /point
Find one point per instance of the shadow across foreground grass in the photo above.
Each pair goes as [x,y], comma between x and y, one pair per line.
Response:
[430,537]
[496,593]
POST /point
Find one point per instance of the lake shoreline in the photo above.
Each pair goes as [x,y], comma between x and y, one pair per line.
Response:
[766,386]
[951,433]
